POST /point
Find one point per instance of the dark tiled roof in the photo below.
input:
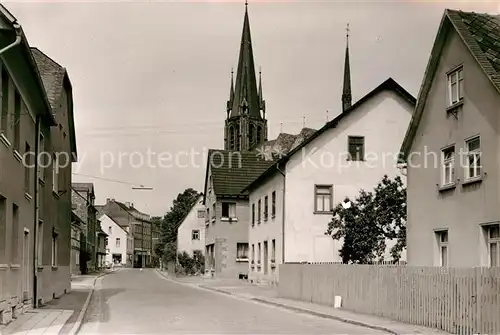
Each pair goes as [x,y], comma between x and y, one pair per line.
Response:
[52,75]
[132,210]
[232,170]
[88,187]
[480,32]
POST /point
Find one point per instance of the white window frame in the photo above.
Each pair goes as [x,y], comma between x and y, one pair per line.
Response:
[238,255]
[195,235]
[118,242]
[477,158]
[325,198]
[231,210]
[448,164]
[493,241]
[455,77]
[442,238]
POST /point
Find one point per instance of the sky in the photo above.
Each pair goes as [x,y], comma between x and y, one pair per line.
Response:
[151,78]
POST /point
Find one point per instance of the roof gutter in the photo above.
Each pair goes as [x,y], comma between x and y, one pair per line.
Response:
[19,36]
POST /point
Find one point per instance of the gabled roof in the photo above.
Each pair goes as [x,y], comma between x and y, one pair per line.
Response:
[132,211]
[390,84]
[481,35]
[181,221]
[23,51]
[233,170]
[114,220]
[55,78]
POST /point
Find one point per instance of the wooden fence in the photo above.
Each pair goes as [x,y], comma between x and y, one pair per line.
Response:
[456,300]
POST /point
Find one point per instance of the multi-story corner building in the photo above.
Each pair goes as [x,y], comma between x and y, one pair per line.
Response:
[35,205]
[83,203]
[139,225]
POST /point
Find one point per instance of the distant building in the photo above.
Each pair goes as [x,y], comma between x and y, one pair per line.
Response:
[452,148]
[77,239]
[140,225]
[120,243]
[83,203]
[191,231]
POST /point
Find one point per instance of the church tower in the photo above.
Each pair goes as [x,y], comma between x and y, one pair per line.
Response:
[246,124]
[346,90]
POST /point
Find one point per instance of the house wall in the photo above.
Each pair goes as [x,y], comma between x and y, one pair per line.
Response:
[114,231]
[76,232]
[383,121]
[83,206]
[55,209]
[190,223]
[267,230]
[16,257]
[225,236]
[464,208]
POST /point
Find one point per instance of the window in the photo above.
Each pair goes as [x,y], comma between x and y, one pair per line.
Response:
[273,205]
[242,251]
[110,230]
[253,215]
[259,134]
[213,211]
[208,215]
[448,166]
[253,253]
[54,249]
[493,233]
[41,163]
[258,250]
[473,163]
[231,138]
[455,86]
[195,235]
[15,234]
[356,147]
[273,251]
[106,242]
[39,233]
[27,169]
[251,136]
[266,207]
[55,174]
[117,242]
[5,100]
[442,239]
[17,120]
[258,211]
[228,210]
[323,198]
[201,213]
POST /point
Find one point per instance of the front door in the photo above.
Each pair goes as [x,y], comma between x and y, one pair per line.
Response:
[265,258]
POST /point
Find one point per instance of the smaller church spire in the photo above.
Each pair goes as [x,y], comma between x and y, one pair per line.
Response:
[262,102]
[346,91]
[231,94]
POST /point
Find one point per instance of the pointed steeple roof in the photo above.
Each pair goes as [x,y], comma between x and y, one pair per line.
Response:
[346,91]
[246,95]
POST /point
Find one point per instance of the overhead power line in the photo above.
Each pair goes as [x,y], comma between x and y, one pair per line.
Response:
[109,180]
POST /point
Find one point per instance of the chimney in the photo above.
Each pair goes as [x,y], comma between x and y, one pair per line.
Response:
[108,200]
[131,204]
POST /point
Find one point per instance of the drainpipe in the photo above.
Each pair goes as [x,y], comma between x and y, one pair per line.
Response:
[282,217]
[35,227]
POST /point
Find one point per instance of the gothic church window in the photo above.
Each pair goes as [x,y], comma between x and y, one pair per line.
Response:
[231,138]
[259,134]
[251,132]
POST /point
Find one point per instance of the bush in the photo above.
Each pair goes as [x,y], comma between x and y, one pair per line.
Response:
[190,265]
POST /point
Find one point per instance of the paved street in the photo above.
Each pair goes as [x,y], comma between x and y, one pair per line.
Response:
[134,302]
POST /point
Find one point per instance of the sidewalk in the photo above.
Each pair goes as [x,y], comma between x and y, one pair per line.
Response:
[59,316]
[268,295]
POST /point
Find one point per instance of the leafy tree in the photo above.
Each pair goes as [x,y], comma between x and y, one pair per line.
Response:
[170,252]
[170,222]
[370,219]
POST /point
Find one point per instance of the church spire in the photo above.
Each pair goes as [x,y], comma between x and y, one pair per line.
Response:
[245,91]
[262,102]
[346,91]
[231,94]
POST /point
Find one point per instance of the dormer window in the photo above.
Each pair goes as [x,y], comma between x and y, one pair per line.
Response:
[455,86]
